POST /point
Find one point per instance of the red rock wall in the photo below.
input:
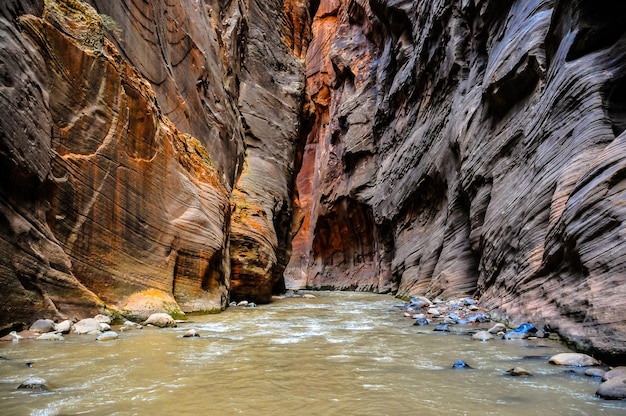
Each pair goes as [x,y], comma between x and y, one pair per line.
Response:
[470,147]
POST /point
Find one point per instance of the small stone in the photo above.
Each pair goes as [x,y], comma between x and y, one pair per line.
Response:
[573,359]
[63,327]
[162,320]
[421,321]
[192,333]
[460,364]
[107,336]
[309,296]
[243,303]
[614,372]
[613,389]
[102,318]
[482,336]
[442,328]
[34,383]
[50,336]
[42,326]
[497,328]
[518,371]
[232,304]
[595,372]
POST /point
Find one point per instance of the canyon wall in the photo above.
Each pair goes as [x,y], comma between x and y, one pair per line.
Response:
[143,147]
[470,147]
[176,155]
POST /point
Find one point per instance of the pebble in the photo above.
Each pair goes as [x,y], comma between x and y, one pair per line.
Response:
[574,359]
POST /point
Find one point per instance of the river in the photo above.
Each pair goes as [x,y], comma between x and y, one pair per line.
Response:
[339,354]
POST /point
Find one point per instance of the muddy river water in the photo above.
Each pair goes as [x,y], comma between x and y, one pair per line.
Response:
[338,354]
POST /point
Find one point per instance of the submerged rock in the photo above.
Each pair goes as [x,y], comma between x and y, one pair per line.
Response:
[34,383]
[573,359]
[518,371]
[192,333]
[50,336]
[107,336]
[421,321]
[595,372]
[460,364]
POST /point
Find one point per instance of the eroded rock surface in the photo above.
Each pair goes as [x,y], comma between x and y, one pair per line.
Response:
[469,147]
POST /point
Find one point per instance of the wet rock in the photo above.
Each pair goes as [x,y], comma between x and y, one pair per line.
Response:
[614,372]
[442,328]
[460,364]
[42,325]
[454,317]
[34,383]
[419,302]
[473,308]
[573,359]
[479,317]
[421,321]
[102,318]
[613,389]
[103,327]
[482,336]
[161,320]
[243,303]
[309,296]
[107,336]
[192,333]
[595,372]
[86,326]
[497,328]
[433,311]
[64,327]
[50,336]
[521,332]
[518,371]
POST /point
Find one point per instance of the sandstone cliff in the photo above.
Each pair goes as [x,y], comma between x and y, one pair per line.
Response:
[130,132]
[470,147]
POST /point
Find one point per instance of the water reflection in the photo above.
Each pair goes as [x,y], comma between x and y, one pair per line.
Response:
[339,354]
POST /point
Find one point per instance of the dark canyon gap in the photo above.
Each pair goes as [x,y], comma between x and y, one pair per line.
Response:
[177,155]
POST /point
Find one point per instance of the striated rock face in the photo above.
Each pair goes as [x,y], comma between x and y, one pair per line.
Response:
[125,129]
[472,147]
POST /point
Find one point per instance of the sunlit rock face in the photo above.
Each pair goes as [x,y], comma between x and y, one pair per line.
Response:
[139,142]
[470,147]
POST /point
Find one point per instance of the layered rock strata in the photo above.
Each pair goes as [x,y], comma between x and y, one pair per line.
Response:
[125,130]
[470,147]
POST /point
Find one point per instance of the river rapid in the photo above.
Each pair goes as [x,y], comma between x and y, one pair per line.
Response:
[338,354]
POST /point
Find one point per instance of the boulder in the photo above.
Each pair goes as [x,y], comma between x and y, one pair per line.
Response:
[497,328]
[102,318]
[573,359]
[63,327]
[614,372]
[34,383]
[482,336]
[85,326]
[613,389]
[162,320]
[521,332]
[42,325]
